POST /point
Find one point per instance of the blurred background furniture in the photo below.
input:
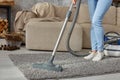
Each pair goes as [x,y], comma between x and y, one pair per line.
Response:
[116,3]
[36,30]
[41,31]
[7,4]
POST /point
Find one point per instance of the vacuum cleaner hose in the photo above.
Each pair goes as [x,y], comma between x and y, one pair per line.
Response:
[71,30]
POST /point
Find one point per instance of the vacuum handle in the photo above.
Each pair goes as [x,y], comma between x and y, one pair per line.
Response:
[62,31]
[69,11]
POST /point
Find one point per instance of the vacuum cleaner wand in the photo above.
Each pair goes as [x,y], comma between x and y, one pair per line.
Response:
[62,31]
[49,65]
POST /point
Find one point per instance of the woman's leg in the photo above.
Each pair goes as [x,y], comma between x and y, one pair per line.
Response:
[92,7]
[101,8]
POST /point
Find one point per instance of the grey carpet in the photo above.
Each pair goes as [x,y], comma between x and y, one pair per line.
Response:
[73,66]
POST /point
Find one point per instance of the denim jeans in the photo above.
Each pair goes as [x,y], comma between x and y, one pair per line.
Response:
[97,10]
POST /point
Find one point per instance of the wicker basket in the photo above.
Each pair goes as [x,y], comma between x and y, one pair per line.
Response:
[7,2]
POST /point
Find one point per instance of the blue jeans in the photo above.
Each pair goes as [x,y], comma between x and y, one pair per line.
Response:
[97,10]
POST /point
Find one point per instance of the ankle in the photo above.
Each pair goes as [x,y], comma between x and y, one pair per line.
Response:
[100,52]
[99,56]
[94,51]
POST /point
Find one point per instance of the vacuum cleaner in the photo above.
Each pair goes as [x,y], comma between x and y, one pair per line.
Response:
[50,65]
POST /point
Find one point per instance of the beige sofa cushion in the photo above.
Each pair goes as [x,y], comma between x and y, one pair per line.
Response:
[60,11]
[118,16]
[83,16]
[109,18]
[49,10]
[43,36]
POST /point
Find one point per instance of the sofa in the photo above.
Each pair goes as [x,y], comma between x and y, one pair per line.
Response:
[42,31]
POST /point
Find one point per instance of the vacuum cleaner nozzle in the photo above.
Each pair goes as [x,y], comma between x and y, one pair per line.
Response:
[49,66]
